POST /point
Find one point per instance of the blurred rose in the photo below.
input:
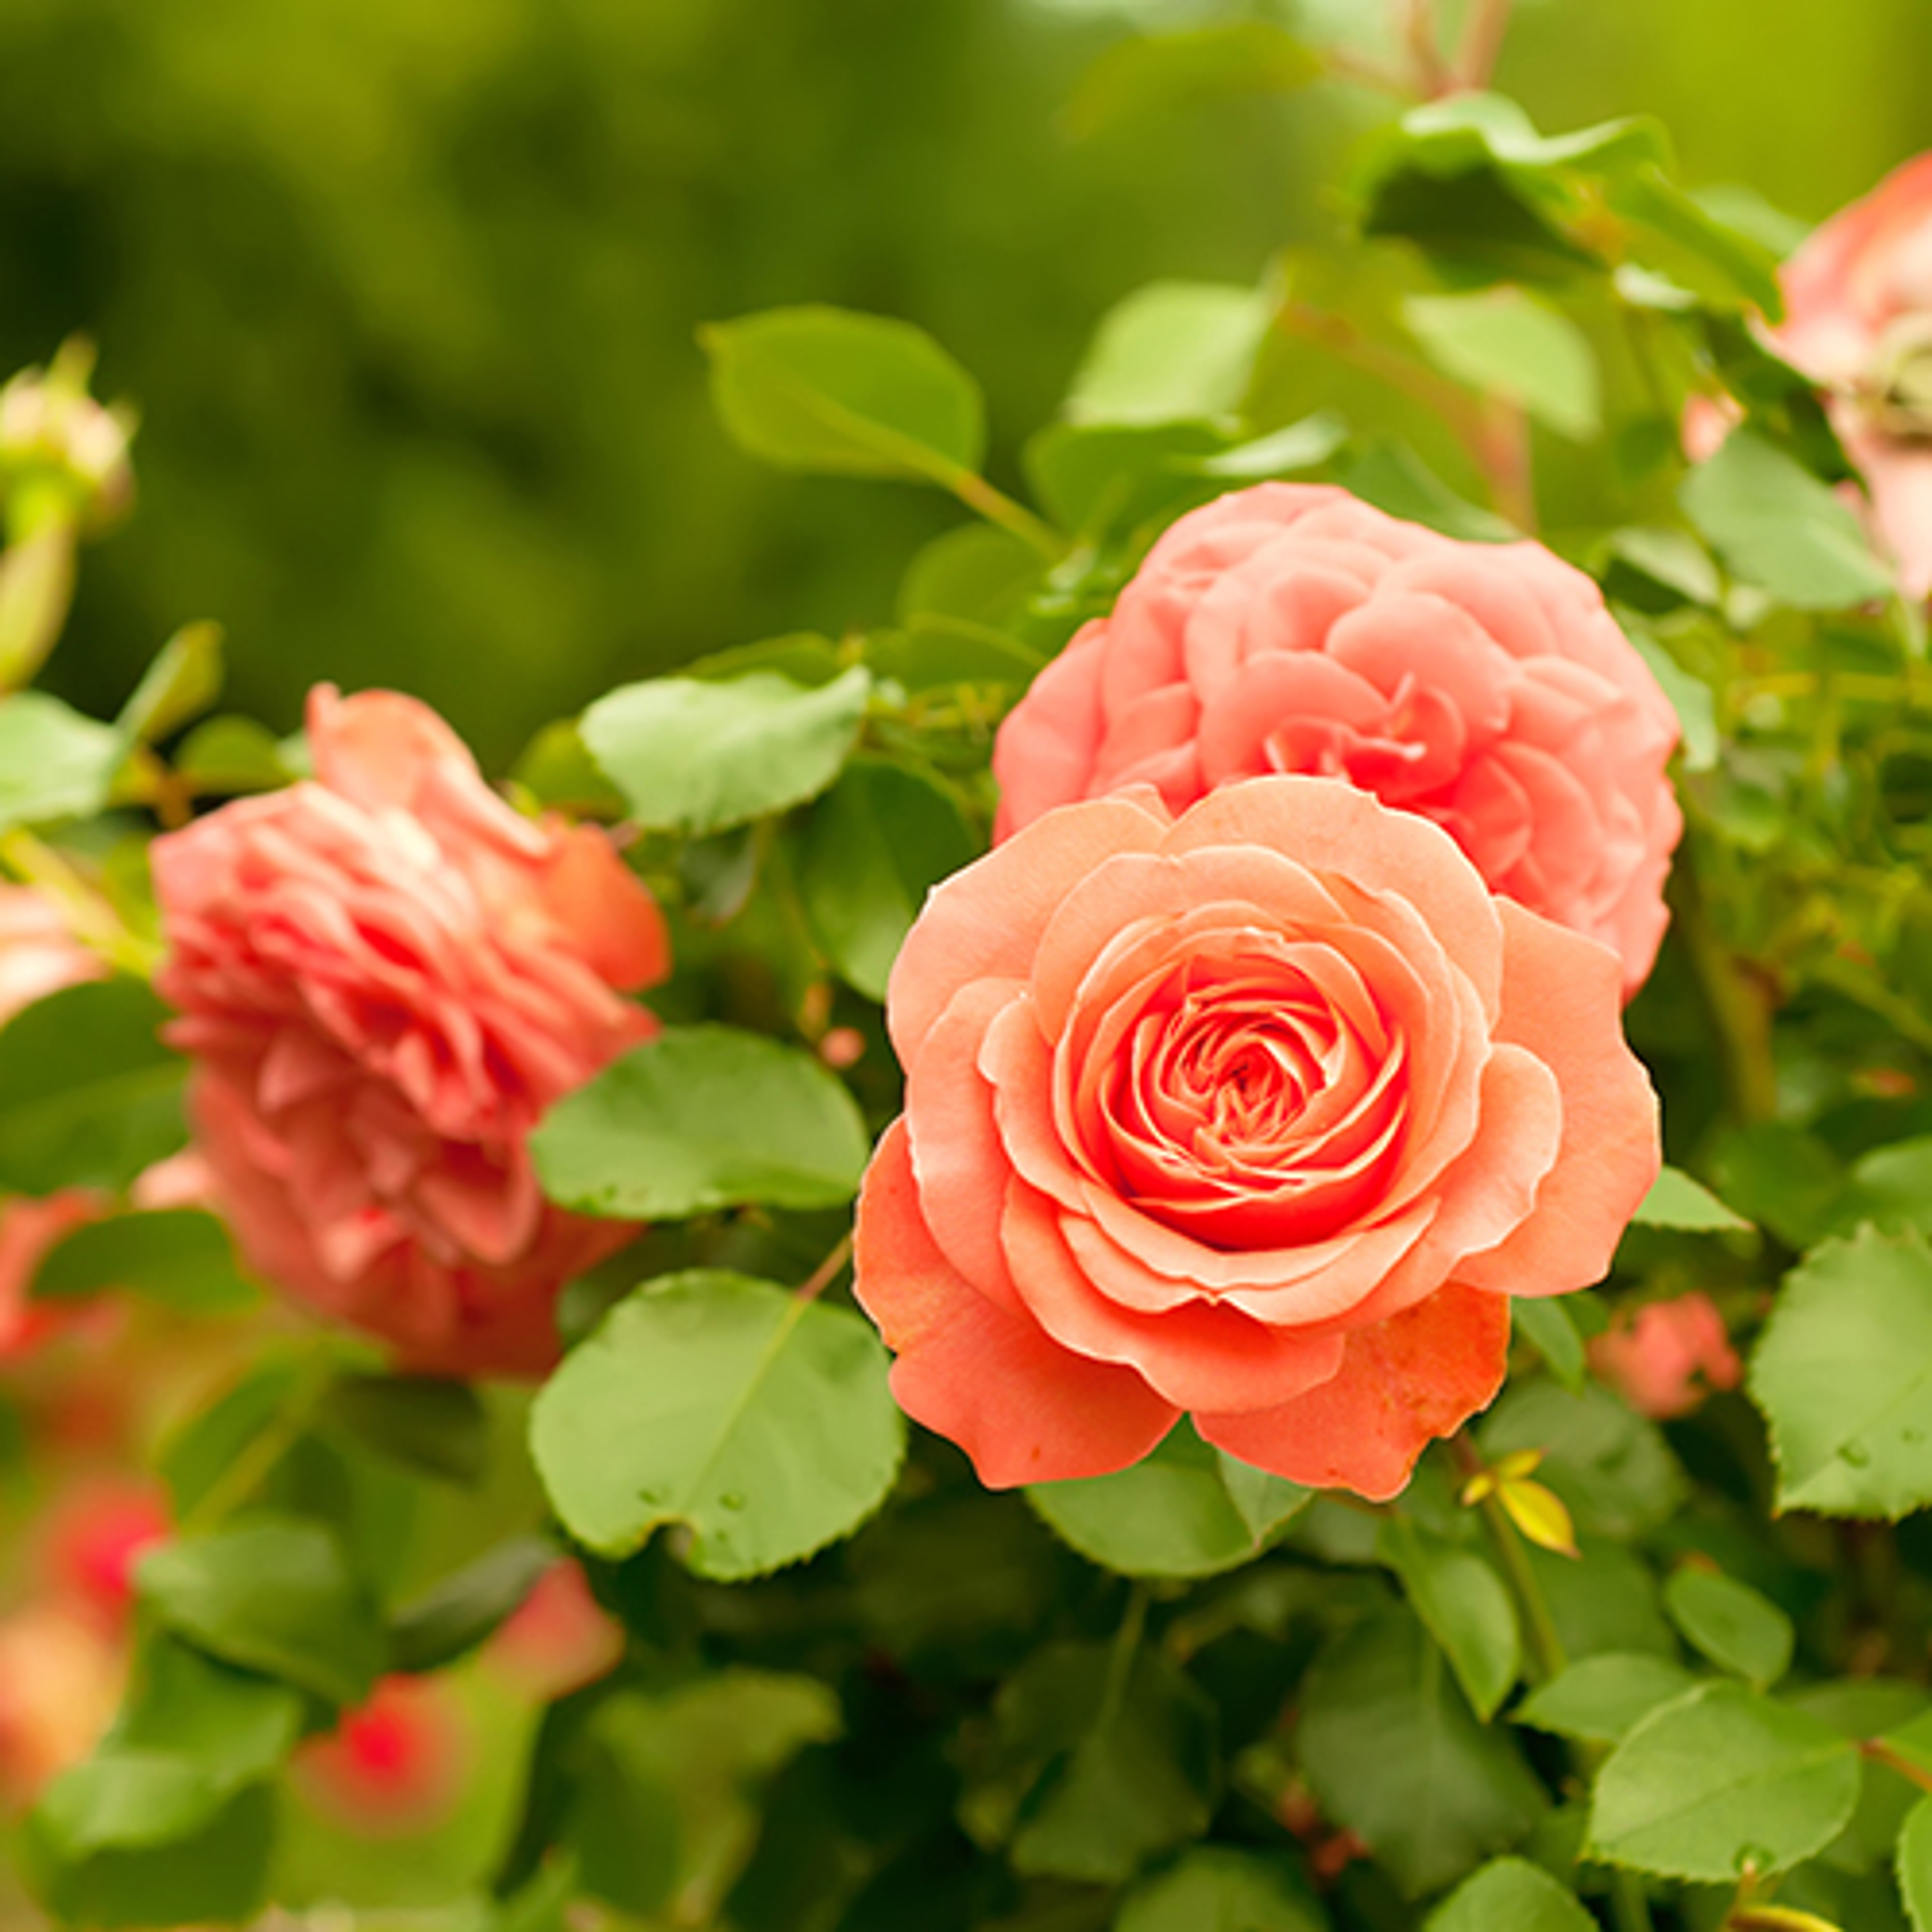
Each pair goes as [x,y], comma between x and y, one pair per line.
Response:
[60,1680]
[39,954]
[386,975]
[1290,628]
[1262,1113]
[92,1537]
[1858,320]
[392,1766]
[559,1639]
[1664,1359]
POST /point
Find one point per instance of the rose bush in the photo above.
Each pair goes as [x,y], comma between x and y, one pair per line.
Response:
[1291,627]
[1261,1114]
[385,976]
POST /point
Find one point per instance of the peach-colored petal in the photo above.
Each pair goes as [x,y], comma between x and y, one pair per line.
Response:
[1024,1409]
[1402,1383]
[1562,1000]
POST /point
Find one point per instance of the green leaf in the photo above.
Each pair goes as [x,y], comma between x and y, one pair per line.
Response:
[1395,1754]
[426,1423]
[1147,74]
[1505,342]
[1890,1186]
[137,1838]
[1672,235]
[1172,352]
[1842,1373]
[88,1095]
[272,1594]
[699,1118]
[874,847]
[976,574]
[693,755]
[231,1725]
[1719,1780]
[825,389]
[763,1422]
[1776,525]
[1598,1699]
[183,681]
[1464,1605]
[231,753]
[1546,1322]
[1216,1888]
[1612,1467]
[556,769]
[181,1258]
[54,763]
[1186,1509]
[1391,476]
[1731,1624]
[1305,445]
[452,1617]
[1105,478]
[194,1460]
[1123,1762]
[1914,1864]
[1511,1895]
[1696,709]
[622,1823]
[1862,1708]
[1676,1200]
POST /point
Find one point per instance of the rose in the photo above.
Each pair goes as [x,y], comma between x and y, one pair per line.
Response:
[1291,627]
[1663,1359]
[385,976]
[1262,1113]
[1858,320]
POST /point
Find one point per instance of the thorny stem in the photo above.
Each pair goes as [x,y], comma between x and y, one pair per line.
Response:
[822,1276]
[1482,42]
[1546,1648]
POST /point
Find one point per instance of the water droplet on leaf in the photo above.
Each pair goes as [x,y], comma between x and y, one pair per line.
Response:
[732,1500]
[1855,1453]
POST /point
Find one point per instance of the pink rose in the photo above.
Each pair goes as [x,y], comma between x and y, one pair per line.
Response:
[1664,1359]
[1290,628]
[1262,1113]
[1858,320]
[39,954]
[385,976]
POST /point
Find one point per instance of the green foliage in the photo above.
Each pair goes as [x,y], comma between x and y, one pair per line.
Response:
[1504,342]
[1720,1780]
[1186,1509]
[1776,526]
[699,1118]
[864,395]
[760,1421]
[180,1257]
[426,1423]
[1513,1893]
[1171,352]
[1463,1605]
[1914,1864]
[1395,1754]
[874,845]
[1219,1887]
[1843,1374]
[1598,1699]
[1731,1624]
[455,1615]
[54,763]
[88,1095]
[693,755]
[274,1595]
[1676,1200]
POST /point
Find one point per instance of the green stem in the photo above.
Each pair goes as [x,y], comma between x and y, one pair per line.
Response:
[996,507]
[1546,1647]
[1120,1661]
[822,1276]
[1483,32]
[1739,1002]
[93,921]
[1630,1904]
[1879,1752]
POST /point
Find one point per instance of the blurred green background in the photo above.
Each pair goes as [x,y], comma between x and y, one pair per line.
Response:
[406,290]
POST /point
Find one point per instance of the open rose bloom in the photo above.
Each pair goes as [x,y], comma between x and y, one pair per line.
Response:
[1858,320]
[385,976]
[1262,1113]
[1291,628]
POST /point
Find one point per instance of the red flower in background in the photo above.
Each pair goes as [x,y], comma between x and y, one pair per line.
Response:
[1667,1357]
[385,976]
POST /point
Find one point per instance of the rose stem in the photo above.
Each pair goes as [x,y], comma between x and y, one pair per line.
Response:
[822,1276]
[94,921]
[1483,34]
[1739,1004]
[1415,21]
[1546,1648]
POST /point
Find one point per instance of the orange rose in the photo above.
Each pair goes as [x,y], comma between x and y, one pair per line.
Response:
[385,976]
[1261,1114]
[1291,627]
